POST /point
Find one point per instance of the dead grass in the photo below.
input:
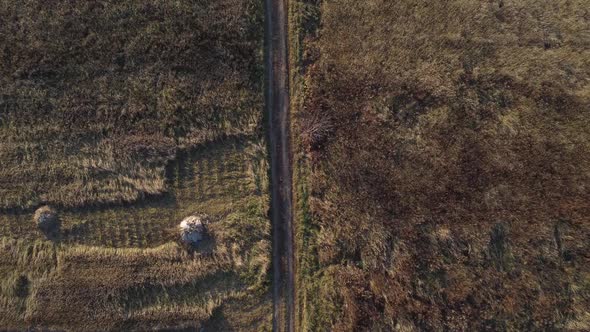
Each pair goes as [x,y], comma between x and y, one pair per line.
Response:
[127,117]
[114,275]
[458,143]
[97,97]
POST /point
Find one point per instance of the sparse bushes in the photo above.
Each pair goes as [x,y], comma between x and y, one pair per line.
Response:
[315,130]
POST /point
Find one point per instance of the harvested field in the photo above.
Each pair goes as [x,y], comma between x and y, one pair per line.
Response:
[121,267]
[126,117]
[205,179]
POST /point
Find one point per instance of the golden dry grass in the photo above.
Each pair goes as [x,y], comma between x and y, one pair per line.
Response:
[114,276]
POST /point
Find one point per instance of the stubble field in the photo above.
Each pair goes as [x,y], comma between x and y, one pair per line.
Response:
[127,117]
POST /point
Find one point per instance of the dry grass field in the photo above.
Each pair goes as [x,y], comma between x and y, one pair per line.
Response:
[96,96]
[119,268]
[126,117]
[443,165]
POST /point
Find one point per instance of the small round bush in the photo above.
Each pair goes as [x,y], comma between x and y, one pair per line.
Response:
[46,219]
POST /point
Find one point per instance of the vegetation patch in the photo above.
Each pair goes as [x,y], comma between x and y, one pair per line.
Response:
[125,267]
[96,97]
[47,219]
[445,156]
[125,118]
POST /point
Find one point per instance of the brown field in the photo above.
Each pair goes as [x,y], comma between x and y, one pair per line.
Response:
[96,97]
[443,164]
[126,117]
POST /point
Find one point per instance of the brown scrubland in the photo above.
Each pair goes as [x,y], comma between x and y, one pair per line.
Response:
[443,165]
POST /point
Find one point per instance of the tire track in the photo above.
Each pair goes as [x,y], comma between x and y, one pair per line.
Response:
[277,105]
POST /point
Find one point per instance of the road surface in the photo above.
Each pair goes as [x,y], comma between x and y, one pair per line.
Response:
[277,105]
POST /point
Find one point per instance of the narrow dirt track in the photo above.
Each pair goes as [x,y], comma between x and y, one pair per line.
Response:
[277,104]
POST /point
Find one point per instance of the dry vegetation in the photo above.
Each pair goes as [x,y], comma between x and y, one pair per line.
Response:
[121,268]
[444,169]
[126,117]
[96,96]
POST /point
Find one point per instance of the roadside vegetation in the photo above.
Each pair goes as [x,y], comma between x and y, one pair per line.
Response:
[125,117]
[442,168]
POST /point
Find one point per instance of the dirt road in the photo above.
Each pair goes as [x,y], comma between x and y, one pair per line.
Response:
[277,104]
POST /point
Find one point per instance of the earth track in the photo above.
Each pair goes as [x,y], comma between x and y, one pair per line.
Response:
[277,106]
